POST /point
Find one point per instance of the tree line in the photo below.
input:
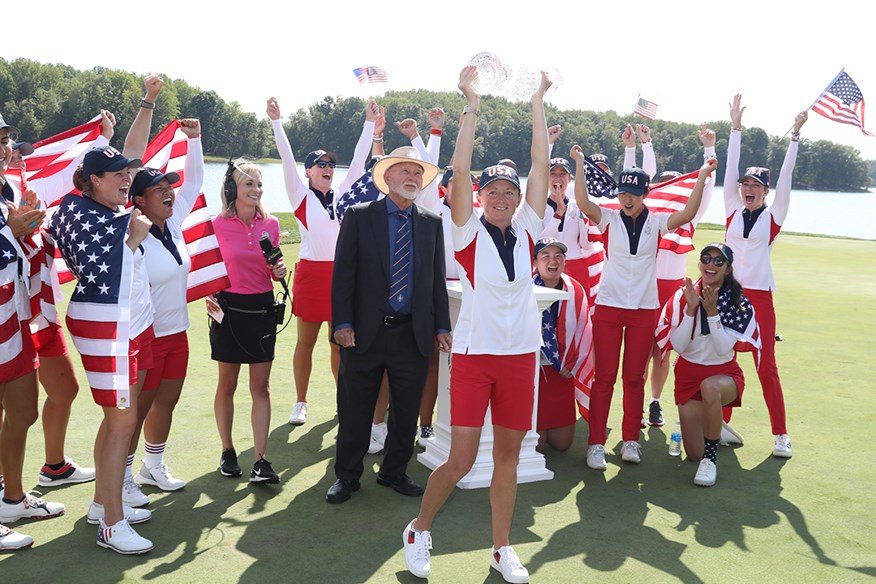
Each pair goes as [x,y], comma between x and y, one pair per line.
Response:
[45,99]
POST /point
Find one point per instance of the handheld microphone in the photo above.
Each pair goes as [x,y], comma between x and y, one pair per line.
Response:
[273,255]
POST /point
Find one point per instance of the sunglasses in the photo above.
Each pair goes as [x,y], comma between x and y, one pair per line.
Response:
[718,261]
[324,163]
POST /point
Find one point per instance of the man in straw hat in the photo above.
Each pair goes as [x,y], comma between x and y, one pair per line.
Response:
[389,304]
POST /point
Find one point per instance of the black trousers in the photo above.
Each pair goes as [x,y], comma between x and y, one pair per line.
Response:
[395,352]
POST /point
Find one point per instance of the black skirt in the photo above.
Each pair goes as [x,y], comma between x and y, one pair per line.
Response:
[249,330]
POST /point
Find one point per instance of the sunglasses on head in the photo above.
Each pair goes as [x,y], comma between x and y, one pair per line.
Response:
[324,163]
[718,261]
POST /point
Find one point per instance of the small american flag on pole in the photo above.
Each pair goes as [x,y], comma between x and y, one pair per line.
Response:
[646,109]
[842,102]
[370,75]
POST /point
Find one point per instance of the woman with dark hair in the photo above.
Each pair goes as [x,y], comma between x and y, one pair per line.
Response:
[706,322]
[109,318]
[244,324]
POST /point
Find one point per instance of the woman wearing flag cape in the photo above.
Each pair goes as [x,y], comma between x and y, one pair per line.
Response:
[110,319]
[707,322]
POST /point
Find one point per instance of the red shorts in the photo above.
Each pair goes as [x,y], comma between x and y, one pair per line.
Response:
[50,341]
[140,355]
[506,383]
[556,400]
[25,362]
[689,376]
[667,288]
[312,291]
[170,359]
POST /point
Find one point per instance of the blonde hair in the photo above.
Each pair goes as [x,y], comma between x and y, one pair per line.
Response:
[240,169]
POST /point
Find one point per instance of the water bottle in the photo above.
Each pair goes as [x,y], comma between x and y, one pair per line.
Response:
[675,440]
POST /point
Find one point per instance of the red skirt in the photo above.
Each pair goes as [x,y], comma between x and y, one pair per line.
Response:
[312,291]
[556,400]
[689,376]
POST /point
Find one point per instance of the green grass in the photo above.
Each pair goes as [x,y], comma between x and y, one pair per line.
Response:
[805,520]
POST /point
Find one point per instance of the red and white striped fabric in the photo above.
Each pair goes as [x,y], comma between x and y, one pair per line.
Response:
[595,258]
[668,197]
[56,153]
[167,152]
[576,334]
[12,302]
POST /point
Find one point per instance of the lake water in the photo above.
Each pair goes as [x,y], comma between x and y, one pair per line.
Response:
[809,209]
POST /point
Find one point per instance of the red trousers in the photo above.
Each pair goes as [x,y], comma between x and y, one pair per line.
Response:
[635,329]
[768,372]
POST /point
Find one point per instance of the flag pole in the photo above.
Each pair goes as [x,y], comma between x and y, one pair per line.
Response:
[829,85]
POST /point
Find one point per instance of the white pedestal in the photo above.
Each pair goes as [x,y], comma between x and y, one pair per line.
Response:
[532,464]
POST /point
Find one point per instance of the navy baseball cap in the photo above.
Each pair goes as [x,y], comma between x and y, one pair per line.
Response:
[721,248]
[599,159]
[548,242]
[562,162]
[758,173]
[498,172]
[311,158]
[447,177]
[667,175]
[106,159]
[148,177]
[26,148]
[633,180]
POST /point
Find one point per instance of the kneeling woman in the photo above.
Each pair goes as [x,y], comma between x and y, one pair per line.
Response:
[707,322]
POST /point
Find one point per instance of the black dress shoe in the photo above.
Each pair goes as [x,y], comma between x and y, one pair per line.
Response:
[405,485]
[341,490]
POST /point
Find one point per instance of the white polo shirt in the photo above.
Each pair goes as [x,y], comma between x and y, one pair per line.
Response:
[497,317]
[629,280]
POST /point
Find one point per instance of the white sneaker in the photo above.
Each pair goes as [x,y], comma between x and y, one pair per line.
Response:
[781,448]
[417,545]
[132,495]
[68,474]
[29,508]
[378,438]
[299,414]
[506,561]
[707,473]
[729,436]
[631,452]
[596,456]
[12,540]
[122,538]
[160,476]
[96,514]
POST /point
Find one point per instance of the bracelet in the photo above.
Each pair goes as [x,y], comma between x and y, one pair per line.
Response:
[736,129]
[435,132]
[147,105]
[795,136]
[377,138]
[470,110]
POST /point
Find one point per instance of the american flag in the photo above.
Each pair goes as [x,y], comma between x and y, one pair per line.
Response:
[842,102]
[568,340]
[668,197]
[741,324]
[370,75]
[11,283]
[57,153]
[167,152]
[599,183]
[91,238]
[646,109]
[363,191]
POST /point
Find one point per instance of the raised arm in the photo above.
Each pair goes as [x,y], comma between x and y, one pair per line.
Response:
[296,189]
[554,133]
[461,204]
[193,174]
[629,140]
[687,214]
[731,167]
[582,197]
[377,137]
[782,200]
[363,147]
[539,174]
[436,129]
[138,135]
[707,138]
[649,160]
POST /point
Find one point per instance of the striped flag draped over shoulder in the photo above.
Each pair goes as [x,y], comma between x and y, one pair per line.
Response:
[669,197]
[740,323]
[568,340]
[12,296]
[91,238]
[167,152]
[57,153]
[363,191]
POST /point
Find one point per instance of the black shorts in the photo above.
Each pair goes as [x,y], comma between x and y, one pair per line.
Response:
[249,330]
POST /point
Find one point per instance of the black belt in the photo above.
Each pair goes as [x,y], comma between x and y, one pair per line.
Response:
[396,320]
